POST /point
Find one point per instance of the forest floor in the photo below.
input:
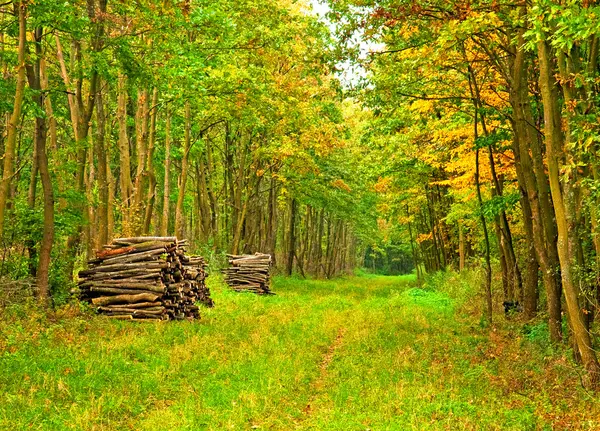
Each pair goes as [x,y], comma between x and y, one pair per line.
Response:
[357,353]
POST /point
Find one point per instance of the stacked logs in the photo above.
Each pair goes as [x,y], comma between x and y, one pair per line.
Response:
[145,278]
[249,272]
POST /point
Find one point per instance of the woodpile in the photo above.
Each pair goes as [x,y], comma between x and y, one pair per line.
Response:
[146,278]
[249,272]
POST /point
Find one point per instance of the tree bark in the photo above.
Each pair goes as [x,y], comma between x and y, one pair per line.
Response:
[124,158]
[488,266]
[151,196]
[141,143]
[292,239]
[164,224]
[100,151]
[13,123]
[43,269]
[179,215]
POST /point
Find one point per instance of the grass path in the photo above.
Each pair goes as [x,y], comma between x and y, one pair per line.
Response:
[351,354]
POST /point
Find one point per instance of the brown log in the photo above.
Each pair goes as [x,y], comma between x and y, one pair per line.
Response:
[142,239]
[133,310]
[124,249]
[93,287]
[149,276]
[113,252]
[126,274]
[136,305]
[136,257]
[120,299]
[124,267]
[119,282]
[117,291]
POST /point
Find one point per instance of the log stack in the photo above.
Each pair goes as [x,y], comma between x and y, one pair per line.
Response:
[146,278]
[249,273]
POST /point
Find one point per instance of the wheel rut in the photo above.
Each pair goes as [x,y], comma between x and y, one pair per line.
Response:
[317,384]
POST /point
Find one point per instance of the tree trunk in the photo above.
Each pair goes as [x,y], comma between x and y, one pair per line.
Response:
[151,196]
[488,266]
[292,239]
[413,248]
[179,215]
[272,219]
[13,123]
[164,224]
[214,213]
[530,294]
[461,247]
[31,195]
[42,162]
[100,150]
[124,159]
[141,143]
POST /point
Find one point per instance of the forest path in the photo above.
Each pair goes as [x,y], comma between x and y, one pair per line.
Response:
[354,353]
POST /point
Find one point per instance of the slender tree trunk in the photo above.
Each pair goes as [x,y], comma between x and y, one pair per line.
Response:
[237,236]
[31,195]
[48,107]
[89,207]
[164,224]
[124,158]
[151,196]
[530,294]
[292,238]
[110,220]
[214,212]
[506,278]
[461,247]
[13,123]
[272,220]
[43,269]
[488,266]
[412,246]
[179,215]
[141,143]
[208,208]
[432,227]
[100,150]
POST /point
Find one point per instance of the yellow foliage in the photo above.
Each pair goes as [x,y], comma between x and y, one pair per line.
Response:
[383,185]
[422,237]
[422,106]
[340,184]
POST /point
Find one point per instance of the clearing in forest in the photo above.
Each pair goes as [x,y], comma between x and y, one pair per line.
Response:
[357,353]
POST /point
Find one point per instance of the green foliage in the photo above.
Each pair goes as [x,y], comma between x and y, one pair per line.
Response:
[492,139]
[498,204]
[537,333]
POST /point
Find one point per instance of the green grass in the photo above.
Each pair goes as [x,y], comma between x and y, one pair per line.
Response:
[357,353]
